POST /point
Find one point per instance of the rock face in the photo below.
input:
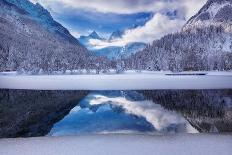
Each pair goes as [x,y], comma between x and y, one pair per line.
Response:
[206,110]
[213,13]
[27,113]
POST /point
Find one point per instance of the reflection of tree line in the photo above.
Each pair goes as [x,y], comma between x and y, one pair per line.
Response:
[25,113]
[204,109]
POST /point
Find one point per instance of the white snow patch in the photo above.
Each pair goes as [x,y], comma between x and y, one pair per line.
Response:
[127,81]
[119,144]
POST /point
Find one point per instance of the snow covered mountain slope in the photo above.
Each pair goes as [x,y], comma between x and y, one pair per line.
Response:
[42,15]
[111,52]
[205,43]
[117,52]
[26,44]
[214,12]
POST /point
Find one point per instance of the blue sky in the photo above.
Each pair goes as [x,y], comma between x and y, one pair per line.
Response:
[83,22]
[142,20]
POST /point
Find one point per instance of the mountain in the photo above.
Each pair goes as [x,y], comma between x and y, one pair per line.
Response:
[205,43]
[133,48]
[84,40]
[111,52]
[116,35]
[214,13]
[94,35]
[31,40]
[42,16]
[116,52]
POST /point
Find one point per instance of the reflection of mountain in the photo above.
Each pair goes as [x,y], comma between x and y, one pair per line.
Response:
[206,110]
[27,113]
[120,112]
[33,113]
[112,51]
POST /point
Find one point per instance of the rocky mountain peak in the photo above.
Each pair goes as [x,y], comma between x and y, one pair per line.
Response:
[94,35]
[215,13]
[115,35]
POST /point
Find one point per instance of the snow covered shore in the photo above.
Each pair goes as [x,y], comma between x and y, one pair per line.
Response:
[120,144]
[126,81]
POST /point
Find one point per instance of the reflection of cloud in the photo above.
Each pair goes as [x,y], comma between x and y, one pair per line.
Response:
[160,118]
[155,28]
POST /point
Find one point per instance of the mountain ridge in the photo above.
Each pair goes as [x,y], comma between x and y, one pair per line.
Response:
[213,13]
[205,43]
[26,45]
[44,17]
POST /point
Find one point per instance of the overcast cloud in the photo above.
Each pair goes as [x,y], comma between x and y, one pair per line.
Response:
[158,26]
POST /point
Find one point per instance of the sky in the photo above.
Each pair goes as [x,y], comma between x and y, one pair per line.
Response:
[141,20]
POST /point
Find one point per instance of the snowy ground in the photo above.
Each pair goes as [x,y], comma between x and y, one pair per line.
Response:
[127,81]
[120,144]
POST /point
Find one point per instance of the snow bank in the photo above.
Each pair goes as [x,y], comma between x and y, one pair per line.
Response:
[119,144]
[126,81]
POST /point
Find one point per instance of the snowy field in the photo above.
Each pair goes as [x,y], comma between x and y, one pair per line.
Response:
[130,80]
[186,144]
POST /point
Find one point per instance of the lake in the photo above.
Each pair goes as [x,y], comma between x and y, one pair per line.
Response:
[29,113]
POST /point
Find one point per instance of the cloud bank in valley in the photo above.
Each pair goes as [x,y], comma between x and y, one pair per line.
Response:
[168,16]
[155,28]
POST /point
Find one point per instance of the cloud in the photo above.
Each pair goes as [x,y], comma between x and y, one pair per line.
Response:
[155,28]
[116,6]
[125,6]
[158,26]
[75,33]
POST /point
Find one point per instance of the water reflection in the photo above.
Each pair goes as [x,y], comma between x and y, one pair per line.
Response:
[120,112]
[29,113]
